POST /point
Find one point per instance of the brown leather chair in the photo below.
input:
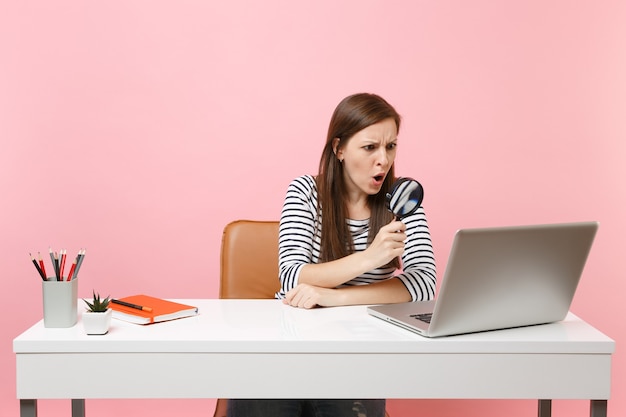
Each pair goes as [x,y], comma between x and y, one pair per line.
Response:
[248,266]
[249,260]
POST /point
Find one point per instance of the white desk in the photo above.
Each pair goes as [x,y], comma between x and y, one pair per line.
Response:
[232,349]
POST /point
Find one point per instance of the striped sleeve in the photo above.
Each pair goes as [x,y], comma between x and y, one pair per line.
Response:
[418,261]
[298,240]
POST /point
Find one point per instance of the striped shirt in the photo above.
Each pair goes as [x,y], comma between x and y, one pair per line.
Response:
[299,244]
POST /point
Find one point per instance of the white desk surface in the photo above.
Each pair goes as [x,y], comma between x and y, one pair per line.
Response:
[270,326]
[241,348]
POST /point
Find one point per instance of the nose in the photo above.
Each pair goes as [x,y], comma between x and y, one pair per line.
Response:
[383,157]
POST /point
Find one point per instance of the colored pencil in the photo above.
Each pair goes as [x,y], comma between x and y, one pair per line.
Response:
[56,265]
[79,261]
[43,268]
[43,276]
[52,259]
[69,275]
[63,254]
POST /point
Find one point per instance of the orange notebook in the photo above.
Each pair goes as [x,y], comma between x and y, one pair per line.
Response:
[162,310]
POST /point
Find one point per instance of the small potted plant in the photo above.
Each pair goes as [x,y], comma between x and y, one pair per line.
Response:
[97,317]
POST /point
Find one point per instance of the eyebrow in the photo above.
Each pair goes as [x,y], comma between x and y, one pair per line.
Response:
[378,142]
[369,140]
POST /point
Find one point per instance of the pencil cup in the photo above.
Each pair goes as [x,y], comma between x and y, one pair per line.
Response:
[59,302]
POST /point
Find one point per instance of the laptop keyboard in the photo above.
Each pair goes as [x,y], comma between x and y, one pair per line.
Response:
[425,317]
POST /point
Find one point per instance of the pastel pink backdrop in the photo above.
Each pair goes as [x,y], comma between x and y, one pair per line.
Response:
[138,129]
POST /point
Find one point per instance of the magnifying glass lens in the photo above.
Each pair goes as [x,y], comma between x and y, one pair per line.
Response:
[405,198]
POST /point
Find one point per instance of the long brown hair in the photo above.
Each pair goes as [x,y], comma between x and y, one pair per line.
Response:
[353,114]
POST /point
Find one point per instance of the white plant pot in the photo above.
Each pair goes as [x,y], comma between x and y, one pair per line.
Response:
[97,323]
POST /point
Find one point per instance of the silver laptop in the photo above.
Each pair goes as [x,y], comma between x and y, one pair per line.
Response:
[499,278]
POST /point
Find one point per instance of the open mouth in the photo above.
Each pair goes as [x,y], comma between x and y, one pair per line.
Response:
[378,179]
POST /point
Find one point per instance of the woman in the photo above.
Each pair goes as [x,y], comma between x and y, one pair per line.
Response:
[338,243]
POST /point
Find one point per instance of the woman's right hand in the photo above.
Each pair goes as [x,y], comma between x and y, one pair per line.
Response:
[387,245]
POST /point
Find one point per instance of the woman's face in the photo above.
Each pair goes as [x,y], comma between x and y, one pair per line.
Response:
[368,156]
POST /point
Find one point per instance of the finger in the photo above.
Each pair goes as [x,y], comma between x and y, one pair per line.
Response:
[304,298]
[397,234]
[293,300]
[291,294]
[395,225]
[395,238]
[299,297]
[307,301]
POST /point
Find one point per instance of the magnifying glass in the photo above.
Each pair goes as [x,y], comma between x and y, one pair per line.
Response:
[405,198]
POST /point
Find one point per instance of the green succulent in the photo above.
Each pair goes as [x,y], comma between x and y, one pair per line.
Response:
[97,305]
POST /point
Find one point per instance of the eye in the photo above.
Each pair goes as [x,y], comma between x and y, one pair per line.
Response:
[392,146]
[369,147]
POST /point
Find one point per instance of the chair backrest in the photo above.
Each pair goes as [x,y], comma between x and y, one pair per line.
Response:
[249,260]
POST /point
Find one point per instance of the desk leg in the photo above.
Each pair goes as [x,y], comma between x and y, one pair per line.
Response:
[598,408]
[28,408]
[78,408]
[545,408]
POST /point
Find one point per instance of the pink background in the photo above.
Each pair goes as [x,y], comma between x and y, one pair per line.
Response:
[138,129]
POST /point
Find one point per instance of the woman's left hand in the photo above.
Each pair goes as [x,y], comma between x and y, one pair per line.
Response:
[309,296]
